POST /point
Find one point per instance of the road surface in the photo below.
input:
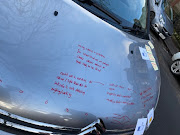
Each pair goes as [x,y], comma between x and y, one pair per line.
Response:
[167,113]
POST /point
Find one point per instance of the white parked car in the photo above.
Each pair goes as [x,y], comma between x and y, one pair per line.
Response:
[175,67]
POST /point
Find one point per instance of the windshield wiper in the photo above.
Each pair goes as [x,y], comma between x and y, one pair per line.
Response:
[90,2]
[133,29]
[136,31]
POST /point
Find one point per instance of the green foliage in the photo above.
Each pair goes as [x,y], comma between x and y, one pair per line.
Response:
[176,37]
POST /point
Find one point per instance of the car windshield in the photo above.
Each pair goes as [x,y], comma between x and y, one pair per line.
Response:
[168,11]
[133,12]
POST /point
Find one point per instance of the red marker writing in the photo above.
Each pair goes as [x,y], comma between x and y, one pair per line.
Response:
[67,110]
[46,102]
[21,91]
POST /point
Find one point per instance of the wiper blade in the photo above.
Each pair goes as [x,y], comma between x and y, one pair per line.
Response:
[131,29]
[90,2]
[136,31]
[102,17]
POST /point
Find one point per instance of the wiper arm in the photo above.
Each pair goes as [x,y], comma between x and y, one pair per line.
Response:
[90,2]
[133,29]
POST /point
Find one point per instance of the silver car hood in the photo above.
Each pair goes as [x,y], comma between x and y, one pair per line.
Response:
[72,68]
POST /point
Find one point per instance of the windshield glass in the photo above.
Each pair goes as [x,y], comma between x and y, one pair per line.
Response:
[134,12]
[168,11]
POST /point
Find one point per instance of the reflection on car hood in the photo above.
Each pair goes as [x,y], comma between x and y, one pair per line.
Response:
[72,68]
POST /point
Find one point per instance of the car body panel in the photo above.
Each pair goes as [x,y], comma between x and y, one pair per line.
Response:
[176,56]
[70,69]
[161,21]
[168,24]
[5,133]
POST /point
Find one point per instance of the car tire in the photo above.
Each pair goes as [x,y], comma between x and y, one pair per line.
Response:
[175,67]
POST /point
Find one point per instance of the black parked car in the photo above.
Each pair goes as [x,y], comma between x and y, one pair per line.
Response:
[161,16]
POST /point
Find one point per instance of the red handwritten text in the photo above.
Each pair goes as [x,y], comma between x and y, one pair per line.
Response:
[146,96]
[67,110]
[120,102]
[61,92]
[21,91]
[118,95]
[46,102]
[148,99]
[86,58]
[91,51]
[145,91]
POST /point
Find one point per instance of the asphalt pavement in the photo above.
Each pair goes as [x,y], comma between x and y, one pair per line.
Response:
[167,113]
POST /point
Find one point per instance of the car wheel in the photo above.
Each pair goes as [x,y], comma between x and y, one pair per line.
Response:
[175,67]
[152,15]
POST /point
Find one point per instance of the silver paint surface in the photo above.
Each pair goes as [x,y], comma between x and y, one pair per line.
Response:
[36,46]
